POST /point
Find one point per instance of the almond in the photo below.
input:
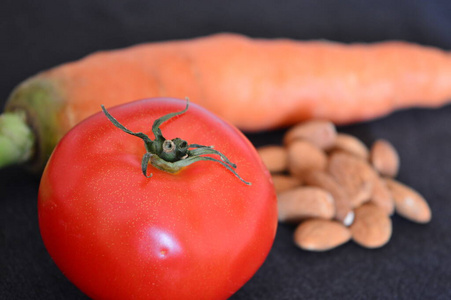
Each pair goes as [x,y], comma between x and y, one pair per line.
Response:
[304,157]
[354,174]
[305,202]
[321,133]
[274,157]
[285,182]
[408,202]
[321,235]
[352,145]
[343,207]
[372,227]
[381,196]
[384,158]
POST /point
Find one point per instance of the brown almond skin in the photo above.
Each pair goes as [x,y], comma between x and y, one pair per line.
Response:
[354,174]
[321,133]
[274,157]
[409,203]
[384,158]
[304,157]
[321,235]
[343,205]
[372,227]
[381,196]
[305,202]
[351,144]
[283,182]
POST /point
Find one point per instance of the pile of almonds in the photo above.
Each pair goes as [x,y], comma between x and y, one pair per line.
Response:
[336,189]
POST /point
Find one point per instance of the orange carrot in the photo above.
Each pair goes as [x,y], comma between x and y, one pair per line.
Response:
[255,84]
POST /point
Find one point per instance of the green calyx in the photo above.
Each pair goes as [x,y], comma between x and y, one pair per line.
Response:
[172,155]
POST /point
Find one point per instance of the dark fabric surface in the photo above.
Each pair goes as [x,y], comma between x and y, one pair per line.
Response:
[415,264]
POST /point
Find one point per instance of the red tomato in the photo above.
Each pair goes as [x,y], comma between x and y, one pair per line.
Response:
[200,233]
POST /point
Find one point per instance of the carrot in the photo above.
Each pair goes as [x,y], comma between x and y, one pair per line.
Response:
[255,84]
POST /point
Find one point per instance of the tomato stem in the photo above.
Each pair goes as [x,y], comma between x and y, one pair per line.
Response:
[172,155]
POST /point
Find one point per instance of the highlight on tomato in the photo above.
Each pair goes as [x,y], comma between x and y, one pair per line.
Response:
[157,199]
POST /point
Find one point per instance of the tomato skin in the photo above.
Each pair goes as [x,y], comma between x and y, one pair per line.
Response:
[198,234]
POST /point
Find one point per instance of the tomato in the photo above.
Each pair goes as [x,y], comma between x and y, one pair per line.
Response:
[199,232]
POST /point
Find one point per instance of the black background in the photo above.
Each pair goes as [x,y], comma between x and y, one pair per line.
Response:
[415,264]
